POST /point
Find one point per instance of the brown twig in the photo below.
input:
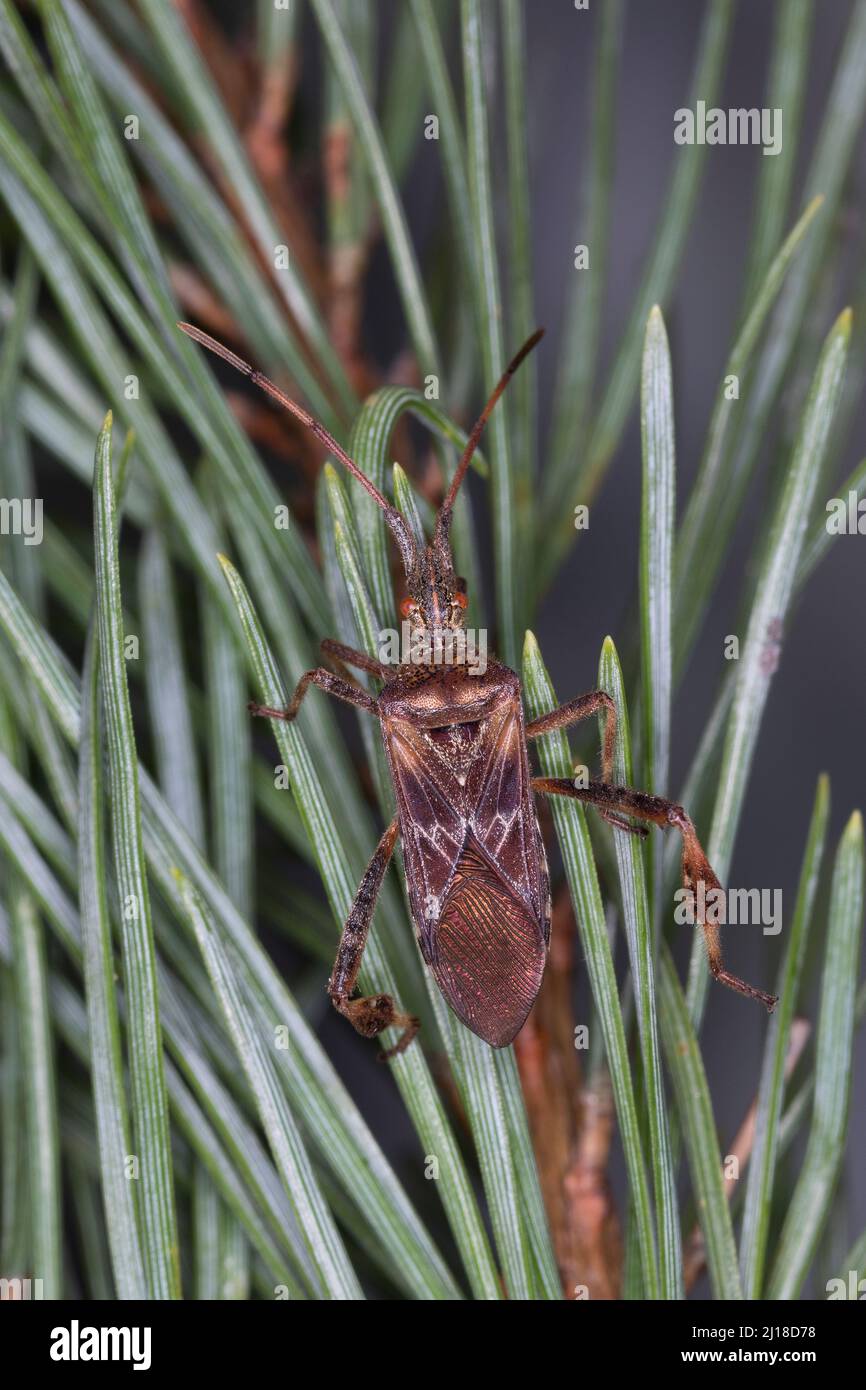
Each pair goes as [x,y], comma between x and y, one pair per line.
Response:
[572,1127]
[267,143]
[200,302]
[219,55]
[265,132]
[348,252]
[270,431]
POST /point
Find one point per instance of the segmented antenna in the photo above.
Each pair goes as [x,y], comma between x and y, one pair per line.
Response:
[402,534]
[443,520]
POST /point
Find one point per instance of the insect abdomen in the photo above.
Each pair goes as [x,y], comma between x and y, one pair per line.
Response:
[487,950]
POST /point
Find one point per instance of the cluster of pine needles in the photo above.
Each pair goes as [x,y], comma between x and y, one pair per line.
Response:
[170,1120]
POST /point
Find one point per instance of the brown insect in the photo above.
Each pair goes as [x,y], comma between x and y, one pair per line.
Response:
[456,743]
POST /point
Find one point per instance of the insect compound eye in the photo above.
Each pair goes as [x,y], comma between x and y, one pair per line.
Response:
[407,607]
[460,599]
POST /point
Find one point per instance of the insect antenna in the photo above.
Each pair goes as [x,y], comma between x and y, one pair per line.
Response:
[443,520]
[400,531]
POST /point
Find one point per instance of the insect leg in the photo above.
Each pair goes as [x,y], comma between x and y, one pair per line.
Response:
[325,680]
[572,713]
[582,708]
[348,656]
[370,1015]
[695,865]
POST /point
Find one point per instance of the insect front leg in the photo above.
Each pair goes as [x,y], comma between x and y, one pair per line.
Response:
[350,656]
[369,1015]
[695,865]
[325,680]
[583,707]
[571,713]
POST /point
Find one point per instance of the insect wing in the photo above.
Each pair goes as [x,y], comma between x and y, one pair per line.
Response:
[475,866]
[432,817]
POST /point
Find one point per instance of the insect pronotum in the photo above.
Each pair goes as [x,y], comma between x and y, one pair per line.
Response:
[456,744]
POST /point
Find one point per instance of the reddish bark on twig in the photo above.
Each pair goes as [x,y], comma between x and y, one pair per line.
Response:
[572,1127]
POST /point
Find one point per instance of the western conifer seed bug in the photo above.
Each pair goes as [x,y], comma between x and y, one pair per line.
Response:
[456,744]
